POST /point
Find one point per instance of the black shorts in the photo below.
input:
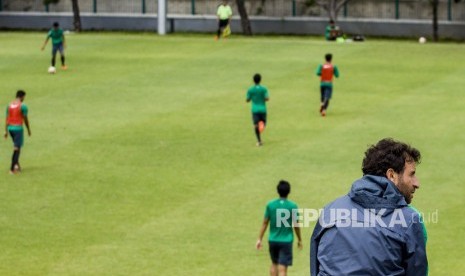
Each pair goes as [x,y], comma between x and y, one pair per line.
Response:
[257,117]
[223,23]
[281,253]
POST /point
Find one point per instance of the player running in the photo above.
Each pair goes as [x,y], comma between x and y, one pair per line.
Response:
[326,72]
[258,94]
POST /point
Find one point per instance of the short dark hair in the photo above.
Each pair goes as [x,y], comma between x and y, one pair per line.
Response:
[257,78]
[20,94]
[328,57]
[388,154]
[284,188]
[55,24]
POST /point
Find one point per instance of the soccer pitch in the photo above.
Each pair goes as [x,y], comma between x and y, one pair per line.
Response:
[142,159]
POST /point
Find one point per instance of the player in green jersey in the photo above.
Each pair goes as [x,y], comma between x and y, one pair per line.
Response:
[332,31]
[58,44]
[281,215]
[258,95]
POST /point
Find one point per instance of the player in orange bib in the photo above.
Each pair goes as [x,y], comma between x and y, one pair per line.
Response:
[16,114]
[326,72]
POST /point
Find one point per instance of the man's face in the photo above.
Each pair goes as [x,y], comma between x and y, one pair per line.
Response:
[407,181]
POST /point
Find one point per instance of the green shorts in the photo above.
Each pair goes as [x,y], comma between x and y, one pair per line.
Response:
[18,137]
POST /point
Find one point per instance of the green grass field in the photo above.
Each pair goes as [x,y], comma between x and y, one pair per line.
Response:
[142,159]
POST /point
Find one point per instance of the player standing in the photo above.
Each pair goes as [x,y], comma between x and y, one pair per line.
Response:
[58,44]
[326,72]
[258,94]
[16,114]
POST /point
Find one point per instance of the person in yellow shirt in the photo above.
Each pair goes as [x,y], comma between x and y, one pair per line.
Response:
[224,14]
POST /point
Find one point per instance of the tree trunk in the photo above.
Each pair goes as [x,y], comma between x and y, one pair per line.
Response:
[332,7]
[245,22]
[332,15]
[76,15]
[332,10]
[435,4]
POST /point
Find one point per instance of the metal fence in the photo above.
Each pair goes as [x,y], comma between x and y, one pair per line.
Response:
[380,9]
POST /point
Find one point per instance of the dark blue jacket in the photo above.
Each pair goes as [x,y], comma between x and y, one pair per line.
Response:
[370,231]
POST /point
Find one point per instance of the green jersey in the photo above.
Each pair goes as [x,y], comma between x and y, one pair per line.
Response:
[281,213]
[56,35]
[258,94]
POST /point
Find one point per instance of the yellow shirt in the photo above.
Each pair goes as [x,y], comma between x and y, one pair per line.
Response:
[224,12]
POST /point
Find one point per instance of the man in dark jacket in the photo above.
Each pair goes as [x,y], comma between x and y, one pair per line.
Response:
[373,230]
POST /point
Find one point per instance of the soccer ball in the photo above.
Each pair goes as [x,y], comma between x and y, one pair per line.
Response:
[52,70]
[422,40]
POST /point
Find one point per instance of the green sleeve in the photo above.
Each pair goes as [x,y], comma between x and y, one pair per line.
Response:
[266,94]
[336,72]
[248,95]
[24,109]
[267,213]
[318,70]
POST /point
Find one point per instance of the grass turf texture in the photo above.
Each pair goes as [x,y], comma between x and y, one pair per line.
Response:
[143,157]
